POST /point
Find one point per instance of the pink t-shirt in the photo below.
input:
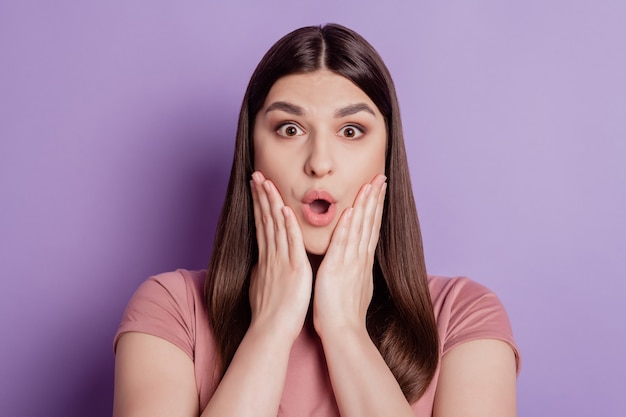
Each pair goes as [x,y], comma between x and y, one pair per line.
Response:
[171,306]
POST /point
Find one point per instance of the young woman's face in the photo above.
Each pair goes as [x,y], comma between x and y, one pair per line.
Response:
[319,138]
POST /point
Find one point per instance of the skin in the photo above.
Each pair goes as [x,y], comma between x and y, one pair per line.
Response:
[304,139]
[324,133]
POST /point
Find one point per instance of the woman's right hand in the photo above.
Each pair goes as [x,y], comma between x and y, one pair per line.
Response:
[281,282]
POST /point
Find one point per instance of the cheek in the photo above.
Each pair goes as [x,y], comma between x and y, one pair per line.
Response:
[271,167]
[263,160]
[365,169]
[380,157]
[374,158]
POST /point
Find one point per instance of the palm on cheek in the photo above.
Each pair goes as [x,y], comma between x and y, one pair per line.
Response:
[280,285]
[344,284]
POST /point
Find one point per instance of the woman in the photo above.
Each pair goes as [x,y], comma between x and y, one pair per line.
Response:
[316,300]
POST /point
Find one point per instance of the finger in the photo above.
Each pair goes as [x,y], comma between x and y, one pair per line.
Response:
[258,219]
[339,240]
[371,205]
[380,206]
[265,213]
[371,211]
[295,242]
[278,219]
[359,231]
[370,225]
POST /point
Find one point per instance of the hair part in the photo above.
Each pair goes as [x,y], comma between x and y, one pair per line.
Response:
[400,318]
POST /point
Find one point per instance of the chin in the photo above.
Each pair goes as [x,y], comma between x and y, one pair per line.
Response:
[316,245]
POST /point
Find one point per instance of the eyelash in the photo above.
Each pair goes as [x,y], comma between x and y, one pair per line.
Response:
[359,130]
[280,128]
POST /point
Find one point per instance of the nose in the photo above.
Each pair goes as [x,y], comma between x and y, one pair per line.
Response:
[320,160]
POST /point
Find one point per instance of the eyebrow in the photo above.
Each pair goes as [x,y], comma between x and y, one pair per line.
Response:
[299,111]
[286,107]
[353,109]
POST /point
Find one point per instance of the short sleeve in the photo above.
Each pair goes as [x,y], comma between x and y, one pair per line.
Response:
[466,310]
[162,306]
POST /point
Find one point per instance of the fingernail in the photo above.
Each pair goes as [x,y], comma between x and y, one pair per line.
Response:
[368,188]
[267,186]
[256,176]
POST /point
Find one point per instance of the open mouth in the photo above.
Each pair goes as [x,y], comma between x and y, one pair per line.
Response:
[319,206]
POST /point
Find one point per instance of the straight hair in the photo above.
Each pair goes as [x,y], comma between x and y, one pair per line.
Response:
[400,318]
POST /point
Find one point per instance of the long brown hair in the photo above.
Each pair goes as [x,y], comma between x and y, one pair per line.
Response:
[400,318]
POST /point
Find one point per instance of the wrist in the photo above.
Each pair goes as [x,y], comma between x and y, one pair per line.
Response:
[331,331]
[272,331]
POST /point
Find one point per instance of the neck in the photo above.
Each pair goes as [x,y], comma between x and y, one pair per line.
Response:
[315,261]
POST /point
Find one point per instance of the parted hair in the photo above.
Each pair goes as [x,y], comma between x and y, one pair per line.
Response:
[400,318]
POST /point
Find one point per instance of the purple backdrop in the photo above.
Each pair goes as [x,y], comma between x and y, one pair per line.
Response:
[116,128]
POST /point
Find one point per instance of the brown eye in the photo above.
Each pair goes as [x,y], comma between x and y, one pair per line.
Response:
[290,130]
[351,132]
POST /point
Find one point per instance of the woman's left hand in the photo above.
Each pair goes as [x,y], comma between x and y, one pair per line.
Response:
[344,281]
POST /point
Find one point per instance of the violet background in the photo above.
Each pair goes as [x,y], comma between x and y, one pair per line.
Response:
[116,131]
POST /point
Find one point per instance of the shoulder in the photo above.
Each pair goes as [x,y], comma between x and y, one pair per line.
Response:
[178,279]
[466,310]
[176,290]
[456,291]
[167,305]
[180,285]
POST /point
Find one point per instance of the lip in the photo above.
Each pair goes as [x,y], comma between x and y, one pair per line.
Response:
[318,219]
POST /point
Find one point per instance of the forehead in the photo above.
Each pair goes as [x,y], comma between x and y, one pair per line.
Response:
[321,88]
